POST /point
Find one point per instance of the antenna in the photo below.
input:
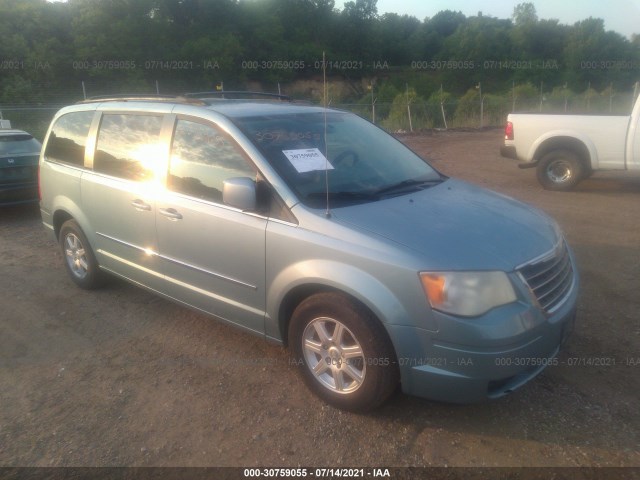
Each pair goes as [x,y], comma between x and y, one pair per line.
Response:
[327,213]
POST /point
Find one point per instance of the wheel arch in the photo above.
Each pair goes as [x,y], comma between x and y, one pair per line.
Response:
[297,295]
[59,218]
[290,302]
[586,154]
[66,209]
[357,285]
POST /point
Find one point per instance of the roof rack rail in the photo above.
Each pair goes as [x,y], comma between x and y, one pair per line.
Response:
[237,94]
[141,97]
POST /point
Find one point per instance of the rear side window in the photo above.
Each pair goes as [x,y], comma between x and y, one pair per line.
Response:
[68,138]
[129,147]
[202,158]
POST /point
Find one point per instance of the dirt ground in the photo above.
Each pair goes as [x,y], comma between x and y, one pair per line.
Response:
[119,377]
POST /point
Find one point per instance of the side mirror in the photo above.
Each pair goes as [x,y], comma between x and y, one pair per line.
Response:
[239,192]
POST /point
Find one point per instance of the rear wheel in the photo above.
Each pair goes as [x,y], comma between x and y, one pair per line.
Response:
[587,173]
[79,260]
[344,353]
[560,170]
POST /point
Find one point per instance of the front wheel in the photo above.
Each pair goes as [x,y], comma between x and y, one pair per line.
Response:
[344,353]
[560,170]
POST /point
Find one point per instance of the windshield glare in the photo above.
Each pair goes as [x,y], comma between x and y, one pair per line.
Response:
[361,159]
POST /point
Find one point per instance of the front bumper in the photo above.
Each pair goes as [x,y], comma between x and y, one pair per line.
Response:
[519,343]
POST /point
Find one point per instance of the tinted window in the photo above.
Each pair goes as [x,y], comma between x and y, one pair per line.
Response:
[18,143]
[202,158]
[68,138]
[129,147]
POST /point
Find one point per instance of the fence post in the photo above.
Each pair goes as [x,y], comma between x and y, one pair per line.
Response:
[541,96]
[444,117]
[409,109]
[479,87]
[610,97]
[373,103]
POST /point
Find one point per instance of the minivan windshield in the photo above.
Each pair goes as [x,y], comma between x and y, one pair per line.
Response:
[361,162]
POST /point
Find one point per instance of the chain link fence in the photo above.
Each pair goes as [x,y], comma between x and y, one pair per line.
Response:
[407,113]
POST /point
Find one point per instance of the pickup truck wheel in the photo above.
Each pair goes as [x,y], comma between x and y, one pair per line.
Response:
[587,173]
[343,352]
[560,170]
[79,260]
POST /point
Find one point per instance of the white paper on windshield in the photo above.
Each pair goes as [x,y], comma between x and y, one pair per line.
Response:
[308,160]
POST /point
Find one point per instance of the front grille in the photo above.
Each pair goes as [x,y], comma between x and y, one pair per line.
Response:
[550,278]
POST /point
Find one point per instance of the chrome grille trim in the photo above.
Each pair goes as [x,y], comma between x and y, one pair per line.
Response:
[550,278]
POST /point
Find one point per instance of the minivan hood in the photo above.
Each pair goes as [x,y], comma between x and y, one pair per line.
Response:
[457,226]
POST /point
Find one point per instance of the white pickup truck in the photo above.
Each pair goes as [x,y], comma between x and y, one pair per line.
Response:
[568,148]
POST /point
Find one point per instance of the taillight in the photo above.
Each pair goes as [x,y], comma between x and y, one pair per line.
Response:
[508,131]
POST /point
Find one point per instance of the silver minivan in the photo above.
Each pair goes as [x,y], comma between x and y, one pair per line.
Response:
[313,228]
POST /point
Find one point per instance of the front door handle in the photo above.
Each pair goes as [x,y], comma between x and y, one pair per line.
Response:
[171,213]
[140,205]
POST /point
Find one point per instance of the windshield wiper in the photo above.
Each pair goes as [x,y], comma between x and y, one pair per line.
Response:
[345,195]
[405,186]
[409,185]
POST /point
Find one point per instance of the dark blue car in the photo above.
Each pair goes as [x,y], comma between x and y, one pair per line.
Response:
[19,153]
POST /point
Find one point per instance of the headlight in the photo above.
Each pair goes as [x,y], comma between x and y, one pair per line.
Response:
[467,294]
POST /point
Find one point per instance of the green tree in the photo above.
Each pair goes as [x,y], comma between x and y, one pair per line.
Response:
[357,34]
[397,39]
[524,14]
[478,40]
[57,45]
[592,54]
[405,104]
[362,9]
[524,97]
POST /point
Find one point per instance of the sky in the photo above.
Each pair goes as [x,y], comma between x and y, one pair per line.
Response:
[622,16]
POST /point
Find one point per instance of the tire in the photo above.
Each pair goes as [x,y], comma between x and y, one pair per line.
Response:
[79,260]
[343,352]
[560,170]
[587,173]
